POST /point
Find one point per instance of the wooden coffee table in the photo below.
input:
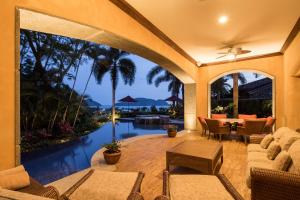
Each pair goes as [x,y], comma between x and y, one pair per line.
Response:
[202,156]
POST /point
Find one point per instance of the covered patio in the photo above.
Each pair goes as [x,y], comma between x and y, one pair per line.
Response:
[266,43]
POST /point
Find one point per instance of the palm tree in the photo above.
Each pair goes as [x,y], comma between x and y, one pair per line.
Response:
[116,63]
[160,75]
[220,88]
[236,78]
[95,52]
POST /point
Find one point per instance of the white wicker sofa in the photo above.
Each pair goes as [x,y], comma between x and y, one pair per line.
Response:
[262,175]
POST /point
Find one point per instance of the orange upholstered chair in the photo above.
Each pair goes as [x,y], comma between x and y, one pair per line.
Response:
[218,116]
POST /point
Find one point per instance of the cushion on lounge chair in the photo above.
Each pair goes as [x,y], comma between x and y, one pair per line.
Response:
[9,194]
[106,185]
[198,187]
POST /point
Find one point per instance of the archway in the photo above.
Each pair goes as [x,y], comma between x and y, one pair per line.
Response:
[268,76]
[48,24]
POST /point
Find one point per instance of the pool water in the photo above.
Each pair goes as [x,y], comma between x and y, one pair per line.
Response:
[61,160]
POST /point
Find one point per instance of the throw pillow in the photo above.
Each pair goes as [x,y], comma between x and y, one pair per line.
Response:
[266,141]
[14,181]
[282,161]
[273,150]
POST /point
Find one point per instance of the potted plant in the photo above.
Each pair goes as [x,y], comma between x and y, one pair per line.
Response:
[172,131]
[112,153]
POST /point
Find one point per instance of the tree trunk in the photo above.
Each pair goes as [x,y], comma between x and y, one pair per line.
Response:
[55,116]
[83,93]
[33,120]
[113,109]
[72,90]
[235,77]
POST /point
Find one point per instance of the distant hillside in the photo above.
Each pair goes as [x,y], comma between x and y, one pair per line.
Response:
[145,102]
[92,104]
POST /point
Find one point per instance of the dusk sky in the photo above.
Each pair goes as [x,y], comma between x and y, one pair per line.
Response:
[102,92]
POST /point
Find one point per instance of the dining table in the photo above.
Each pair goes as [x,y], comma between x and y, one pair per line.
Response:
[232,120]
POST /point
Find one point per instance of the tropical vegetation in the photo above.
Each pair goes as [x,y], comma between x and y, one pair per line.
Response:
[51,111]
[158,75]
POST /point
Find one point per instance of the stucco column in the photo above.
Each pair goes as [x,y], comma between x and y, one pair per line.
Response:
[190,107]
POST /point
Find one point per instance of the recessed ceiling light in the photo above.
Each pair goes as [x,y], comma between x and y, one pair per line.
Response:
[223,19]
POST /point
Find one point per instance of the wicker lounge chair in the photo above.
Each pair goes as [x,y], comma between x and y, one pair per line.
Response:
[35,188]
[215,127]
[133,195]
[224,187]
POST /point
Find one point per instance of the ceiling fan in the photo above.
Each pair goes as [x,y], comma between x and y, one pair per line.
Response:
[233,52]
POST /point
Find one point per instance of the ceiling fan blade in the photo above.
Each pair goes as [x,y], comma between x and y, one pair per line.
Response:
[244,51]
[222,53]
[221,56]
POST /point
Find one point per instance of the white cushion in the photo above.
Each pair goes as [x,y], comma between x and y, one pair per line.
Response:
[282,161]
[255,148]
[106,185]
[9,194]
[273,150]
[257,156]
[294,152]
[183,187]
[266,141]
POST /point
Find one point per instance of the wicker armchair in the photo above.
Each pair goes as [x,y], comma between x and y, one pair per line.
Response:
[224,181]
[275,185]
[215,127]
[203,125]
[251,127]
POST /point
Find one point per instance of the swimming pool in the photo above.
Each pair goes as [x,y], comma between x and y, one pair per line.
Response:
[59,161]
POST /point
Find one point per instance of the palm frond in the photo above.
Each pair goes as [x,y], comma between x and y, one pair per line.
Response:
[160,79]
[242,78]
[102,66]
[153,72]
[127,69]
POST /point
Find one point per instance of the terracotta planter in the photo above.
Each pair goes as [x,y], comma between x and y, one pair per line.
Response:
[172,133]
[111,158]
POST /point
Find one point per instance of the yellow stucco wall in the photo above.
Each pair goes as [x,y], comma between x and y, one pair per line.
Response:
[269,65]
[292,84]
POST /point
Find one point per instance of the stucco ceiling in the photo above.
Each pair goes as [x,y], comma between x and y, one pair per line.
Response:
[261,26]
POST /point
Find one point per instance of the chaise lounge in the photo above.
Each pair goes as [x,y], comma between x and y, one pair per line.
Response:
[94,184]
